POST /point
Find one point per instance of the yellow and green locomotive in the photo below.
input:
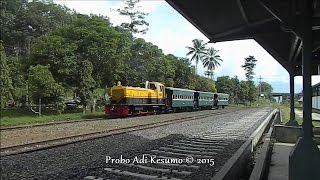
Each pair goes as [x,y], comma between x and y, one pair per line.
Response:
[126,100]
[154,97]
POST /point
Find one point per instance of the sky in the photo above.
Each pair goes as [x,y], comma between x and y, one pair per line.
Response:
[171,32]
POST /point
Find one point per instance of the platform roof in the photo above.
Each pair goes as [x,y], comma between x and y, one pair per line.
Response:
[261,20]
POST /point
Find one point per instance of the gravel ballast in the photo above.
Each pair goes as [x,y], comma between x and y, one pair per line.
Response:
[76,161]
[42,133]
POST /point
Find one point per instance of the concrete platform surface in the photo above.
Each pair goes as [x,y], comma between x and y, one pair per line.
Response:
[315,116]
[279,164]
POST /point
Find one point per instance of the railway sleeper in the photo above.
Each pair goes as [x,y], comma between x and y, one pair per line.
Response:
[222,136]
[199,145]
[180,154]
[203,140]
[92,178]
[183,165]
[225,138]
[205,143]
[196,148]
[164,171]
[138,175]
[153,169]
[188,151]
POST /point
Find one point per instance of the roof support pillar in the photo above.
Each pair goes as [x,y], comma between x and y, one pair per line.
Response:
[304,159]
[292,121]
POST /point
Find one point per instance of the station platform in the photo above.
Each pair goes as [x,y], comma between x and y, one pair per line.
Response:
[315,116]
[279,164]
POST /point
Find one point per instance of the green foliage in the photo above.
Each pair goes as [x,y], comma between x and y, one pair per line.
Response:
[231,86]
[56,52]
[244,92]
[197,50]
[205,84]
[249,65]
[224,84]
[266,89]
[183,72]
[6,87]
[211,59]
[136,17]
[21,21]
[18,75]
[43,87]
[253,92]
[86,83]
[209,73]
[234,95]
[88,37]
[25,116]
[55,49]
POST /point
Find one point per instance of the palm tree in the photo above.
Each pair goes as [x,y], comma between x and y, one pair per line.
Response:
[211,59]
[209,73]
[197,50]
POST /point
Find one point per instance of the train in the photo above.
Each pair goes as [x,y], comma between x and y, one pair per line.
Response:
[154,97]
[316,97]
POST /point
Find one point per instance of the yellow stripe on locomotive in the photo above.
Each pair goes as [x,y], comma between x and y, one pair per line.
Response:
[153,93]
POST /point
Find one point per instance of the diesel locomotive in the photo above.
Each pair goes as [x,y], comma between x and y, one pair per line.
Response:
[154,97]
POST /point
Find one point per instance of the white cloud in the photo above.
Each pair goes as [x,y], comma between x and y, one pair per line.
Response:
[86,7]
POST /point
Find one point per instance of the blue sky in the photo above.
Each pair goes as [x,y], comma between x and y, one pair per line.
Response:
[172,33]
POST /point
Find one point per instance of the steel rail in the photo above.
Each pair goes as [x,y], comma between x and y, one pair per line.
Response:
[47,144]
[12,128]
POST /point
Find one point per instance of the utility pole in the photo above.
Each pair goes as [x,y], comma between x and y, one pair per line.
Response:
[260,87]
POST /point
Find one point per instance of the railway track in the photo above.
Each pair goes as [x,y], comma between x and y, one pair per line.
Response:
[193,157]
[12,128]
[41,145]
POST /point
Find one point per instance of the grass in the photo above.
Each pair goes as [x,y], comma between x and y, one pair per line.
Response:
[285,111]
[25,116]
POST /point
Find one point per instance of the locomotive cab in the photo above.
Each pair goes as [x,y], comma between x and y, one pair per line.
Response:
[159,90]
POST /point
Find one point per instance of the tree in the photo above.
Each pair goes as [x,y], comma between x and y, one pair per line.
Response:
[224,84]
[253,92]
[21,21]
[18,74]
[197,51]
[204,84]
[86,83]
[211,59]
[234,96]
[43,88]
[266,89]
[244,92]
[6,86]
[87,37]
[249,65]
[183,75]
[136,17]
[209,74]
